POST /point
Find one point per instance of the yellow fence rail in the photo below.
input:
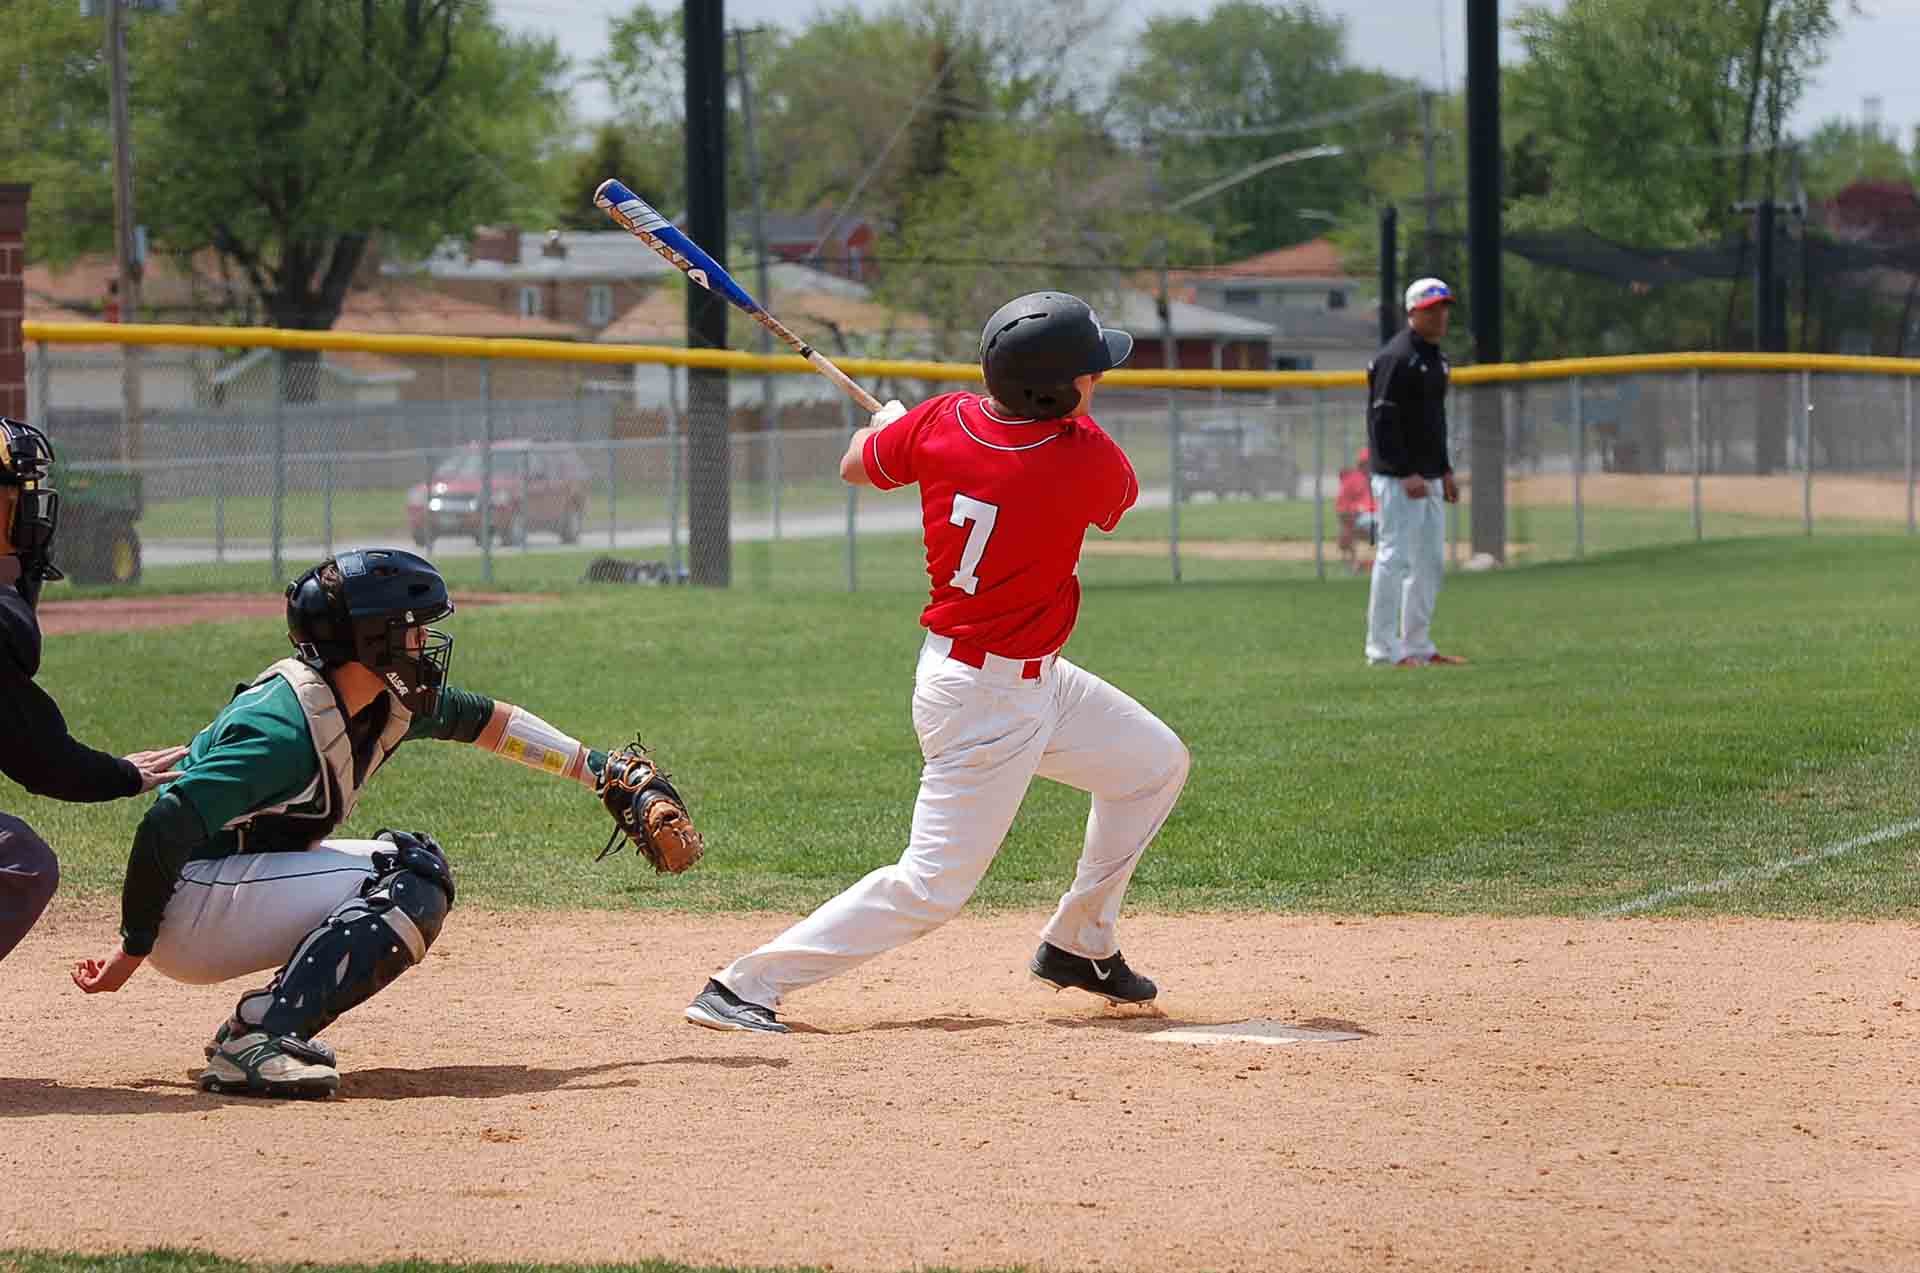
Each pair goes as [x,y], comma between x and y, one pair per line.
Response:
[735,360]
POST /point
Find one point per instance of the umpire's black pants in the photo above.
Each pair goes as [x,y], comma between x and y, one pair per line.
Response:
[29,873]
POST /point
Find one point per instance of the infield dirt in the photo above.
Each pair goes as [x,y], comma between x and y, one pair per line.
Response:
[1558,1094]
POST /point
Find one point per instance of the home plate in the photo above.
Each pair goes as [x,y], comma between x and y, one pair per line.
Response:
[1259,1031]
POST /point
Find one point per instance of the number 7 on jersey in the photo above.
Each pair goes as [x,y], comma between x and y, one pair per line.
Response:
[982,515]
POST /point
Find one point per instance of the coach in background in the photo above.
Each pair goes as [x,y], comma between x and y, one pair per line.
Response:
[35,749]
[1407,436]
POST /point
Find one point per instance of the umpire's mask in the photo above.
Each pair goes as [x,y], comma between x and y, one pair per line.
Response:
[26,457]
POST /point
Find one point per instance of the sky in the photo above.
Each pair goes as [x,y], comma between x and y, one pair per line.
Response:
[1871,57]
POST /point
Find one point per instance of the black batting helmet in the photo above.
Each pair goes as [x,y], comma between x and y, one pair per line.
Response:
[26,458]
[1034,346]
[382,593]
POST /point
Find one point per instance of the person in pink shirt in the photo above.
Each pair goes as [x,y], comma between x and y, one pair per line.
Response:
[1009,483]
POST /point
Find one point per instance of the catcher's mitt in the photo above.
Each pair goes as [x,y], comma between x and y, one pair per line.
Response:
[647,810]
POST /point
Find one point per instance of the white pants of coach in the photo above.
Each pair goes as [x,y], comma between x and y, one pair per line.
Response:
[985,733]
[244,914]
[1408,560]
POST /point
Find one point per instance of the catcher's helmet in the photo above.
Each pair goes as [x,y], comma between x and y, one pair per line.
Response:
[1034,346]
[382,594]
[25,460]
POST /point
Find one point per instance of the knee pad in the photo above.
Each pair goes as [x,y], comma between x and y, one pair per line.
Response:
[367,942]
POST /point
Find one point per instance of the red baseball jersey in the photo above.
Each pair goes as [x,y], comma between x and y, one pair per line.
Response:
[1006,504]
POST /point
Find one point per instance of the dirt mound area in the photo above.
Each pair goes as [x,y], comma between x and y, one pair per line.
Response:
[1563,1094]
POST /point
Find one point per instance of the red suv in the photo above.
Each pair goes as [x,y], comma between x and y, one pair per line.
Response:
[536,486]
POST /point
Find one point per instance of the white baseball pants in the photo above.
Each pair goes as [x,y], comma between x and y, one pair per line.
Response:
[1408,560]
[985,733]
[229,917]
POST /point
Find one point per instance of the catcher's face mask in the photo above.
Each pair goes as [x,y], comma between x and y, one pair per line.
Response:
[413,661]
[26,457]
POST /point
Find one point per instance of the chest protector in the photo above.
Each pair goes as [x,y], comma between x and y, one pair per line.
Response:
[330,801]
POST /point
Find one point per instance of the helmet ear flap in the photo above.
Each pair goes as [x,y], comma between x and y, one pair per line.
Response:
[317,628]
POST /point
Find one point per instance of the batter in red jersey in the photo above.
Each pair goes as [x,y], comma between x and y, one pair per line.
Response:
[1009,483]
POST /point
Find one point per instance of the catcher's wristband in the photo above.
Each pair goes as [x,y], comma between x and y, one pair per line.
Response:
[538,745]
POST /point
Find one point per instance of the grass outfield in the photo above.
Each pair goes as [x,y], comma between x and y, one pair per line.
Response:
[1645,721]
[894,561]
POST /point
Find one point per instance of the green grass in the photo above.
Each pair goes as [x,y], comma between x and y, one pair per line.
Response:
[1635,722]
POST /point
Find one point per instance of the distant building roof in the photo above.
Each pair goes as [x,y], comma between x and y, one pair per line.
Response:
[1139,313]
[800,227]
[819,307]
[510,254]
[402,308]
[166,282]
[1315,259]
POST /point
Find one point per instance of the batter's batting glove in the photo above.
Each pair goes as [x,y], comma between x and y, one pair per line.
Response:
[647,810]
[888,414]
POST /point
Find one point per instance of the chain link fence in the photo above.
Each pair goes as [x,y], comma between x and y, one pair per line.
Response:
[242,467]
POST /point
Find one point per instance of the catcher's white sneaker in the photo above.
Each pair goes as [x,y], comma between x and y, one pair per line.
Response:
[718,1008]
[259,1064]
[232,1026]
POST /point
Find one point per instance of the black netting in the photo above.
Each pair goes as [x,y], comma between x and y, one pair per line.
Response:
[1832,295]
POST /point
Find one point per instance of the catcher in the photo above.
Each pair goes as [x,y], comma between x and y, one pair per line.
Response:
[236,864]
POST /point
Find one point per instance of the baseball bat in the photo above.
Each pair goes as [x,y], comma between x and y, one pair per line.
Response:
[639,219]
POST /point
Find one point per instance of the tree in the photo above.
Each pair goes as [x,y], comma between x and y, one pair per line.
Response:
[973,238]
[1655,118]
[611,154]
[643,70]
[53,93]
[1214,95]
[288,134]
[1842,151]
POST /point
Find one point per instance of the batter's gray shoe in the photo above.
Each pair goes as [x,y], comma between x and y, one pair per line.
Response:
[230,1026]
[259,1064]
[1109,978]
[718,1008]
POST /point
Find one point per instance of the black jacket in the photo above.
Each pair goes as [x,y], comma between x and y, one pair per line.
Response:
[1407,408]
[36,750]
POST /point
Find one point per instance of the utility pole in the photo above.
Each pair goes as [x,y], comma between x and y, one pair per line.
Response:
[769,420]
[709,441]
[126,261]
[1488,447]
[1389,273]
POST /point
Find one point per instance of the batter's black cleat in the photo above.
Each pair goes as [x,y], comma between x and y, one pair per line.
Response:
[1110,978]
[260,1064]
[718,1008]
